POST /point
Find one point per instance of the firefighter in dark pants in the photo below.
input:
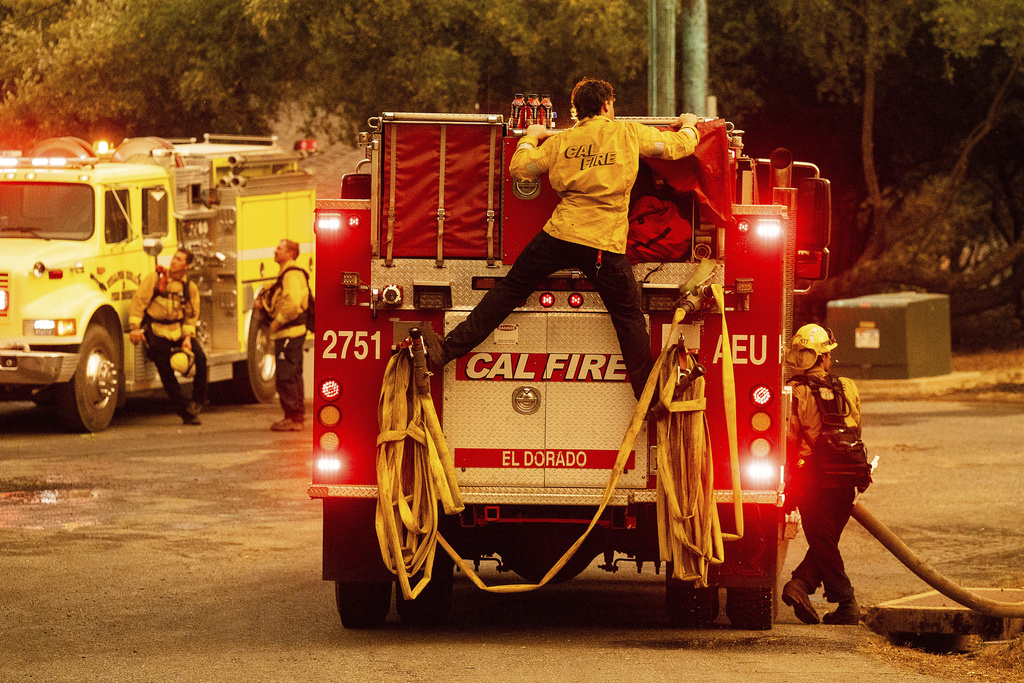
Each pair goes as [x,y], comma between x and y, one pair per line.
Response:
[285,304]
[824,509]
[163,313]
[592,167]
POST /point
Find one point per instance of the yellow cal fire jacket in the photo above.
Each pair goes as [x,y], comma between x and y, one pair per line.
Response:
[592,167]
[171,312]
[806,415]
[287,302]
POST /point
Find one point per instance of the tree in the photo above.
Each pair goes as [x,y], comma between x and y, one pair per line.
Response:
[113,68]
[925,196]
[460,56]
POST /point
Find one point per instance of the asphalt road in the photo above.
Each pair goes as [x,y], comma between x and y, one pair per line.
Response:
[158,552]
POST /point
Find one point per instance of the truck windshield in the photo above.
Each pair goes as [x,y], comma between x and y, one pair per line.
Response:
[49,211]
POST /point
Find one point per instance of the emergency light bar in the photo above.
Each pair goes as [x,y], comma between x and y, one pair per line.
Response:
[46,162]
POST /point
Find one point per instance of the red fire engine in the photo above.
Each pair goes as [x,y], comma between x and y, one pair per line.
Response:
[533,418]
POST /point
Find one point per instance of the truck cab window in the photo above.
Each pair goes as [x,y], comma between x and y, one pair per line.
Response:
[154,211]
[116,216]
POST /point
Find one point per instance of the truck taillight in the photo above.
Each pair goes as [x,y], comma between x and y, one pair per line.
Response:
[761,395]
[762,471]
[760,448]
[760,421]
[334,221]
[575,299]
[327,221]
[547,299]
[330,389]
[329,442]
[329,416]
[328,465]
[769,228]
[327,461]
[5,301]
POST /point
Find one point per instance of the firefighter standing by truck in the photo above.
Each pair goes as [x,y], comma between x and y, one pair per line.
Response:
[285,304]
[163,315]
[824,506]
[592,167]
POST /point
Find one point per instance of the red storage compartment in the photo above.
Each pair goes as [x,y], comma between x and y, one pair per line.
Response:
[425,162]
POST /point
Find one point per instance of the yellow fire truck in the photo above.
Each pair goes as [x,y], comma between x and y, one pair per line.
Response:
[79,229]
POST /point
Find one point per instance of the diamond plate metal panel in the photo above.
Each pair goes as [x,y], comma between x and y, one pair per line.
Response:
[572,439]
[590,415]
[561,496]
[460,273]
[479,415]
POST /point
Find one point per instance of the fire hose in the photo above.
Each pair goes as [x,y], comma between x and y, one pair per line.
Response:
[892,543]
[415,468]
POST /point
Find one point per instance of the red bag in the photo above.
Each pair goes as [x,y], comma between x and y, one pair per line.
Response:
[657,232]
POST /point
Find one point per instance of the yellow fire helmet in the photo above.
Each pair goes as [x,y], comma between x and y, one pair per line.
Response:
[184,363]
[808,343]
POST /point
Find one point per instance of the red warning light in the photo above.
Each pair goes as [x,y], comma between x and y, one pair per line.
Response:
[761,395]
[547,299]
[330,389]
[575,299]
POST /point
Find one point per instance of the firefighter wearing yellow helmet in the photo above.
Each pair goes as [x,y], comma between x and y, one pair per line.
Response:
[824,506]
[163,314]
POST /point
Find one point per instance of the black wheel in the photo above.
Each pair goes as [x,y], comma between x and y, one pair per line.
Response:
[252,379]
[749,608]
[433,605]
[688,606]
[87,402]
[363,605]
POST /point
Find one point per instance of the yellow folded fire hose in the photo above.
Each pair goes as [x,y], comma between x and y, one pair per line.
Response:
[689,532]
[415,468]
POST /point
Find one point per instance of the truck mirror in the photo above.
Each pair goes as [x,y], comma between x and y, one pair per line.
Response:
[813,228]
[152,246]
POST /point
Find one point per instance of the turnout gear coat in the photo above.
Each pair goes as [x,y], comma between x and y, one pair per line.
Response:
[592,167]
[287,303]
[171,311]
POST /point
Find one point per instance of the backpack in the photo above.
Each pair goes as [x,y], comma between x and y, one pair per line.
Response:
[308,314]
[839,457]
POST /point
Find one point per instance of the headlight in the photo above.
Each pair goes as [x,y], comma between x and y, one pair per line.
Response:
[50,327]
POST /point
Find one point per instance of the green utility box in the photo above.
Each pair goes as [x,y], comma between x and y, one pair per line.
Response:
[891,336]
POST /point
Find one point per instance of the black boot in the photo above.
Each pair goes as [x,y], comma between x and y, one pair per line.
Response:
[434,346]
[847,614]
[796,594]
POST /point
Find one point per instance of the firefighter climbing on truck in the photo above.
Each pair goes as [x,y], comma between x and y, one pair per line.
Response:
[592,167]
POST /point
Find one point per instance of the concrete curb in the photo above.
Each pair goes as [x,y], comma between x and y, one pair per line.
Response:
[940,385]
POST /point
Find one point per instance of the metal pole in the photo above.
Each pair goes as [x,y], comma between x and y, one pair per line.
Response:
[661,59]
[694,58]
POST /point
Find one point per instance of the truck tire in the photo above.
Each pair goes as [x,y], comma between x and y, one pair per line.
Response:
[86,403]
[749,608]
[252,379]
[434,603]
[688,606]
[361,604]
